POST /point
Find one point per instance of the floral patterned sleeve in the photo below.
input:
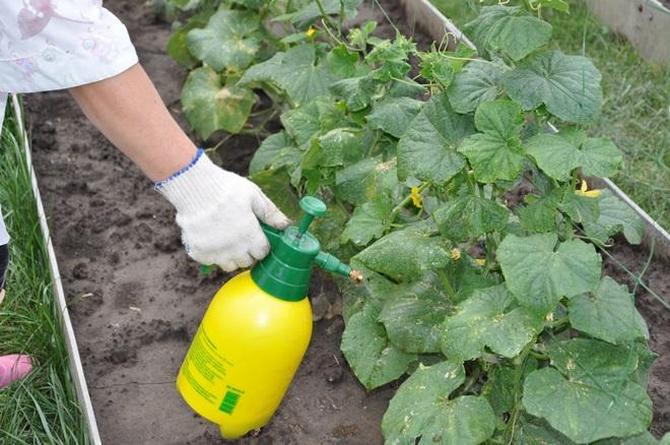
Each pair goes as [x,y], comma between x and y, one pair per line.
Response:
[57,44]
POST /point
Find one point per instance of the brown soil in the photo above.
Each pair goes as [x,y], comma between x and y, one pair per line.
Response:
[136,299]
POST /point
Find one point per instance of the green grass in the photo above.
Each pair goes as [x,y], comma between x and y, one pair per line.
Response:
[41,409]
[636,109]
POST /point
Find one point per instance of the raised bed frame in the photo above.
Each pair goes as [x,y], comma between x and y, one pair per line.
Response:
[439,27]
[425,15]
[76,369]
[645,23]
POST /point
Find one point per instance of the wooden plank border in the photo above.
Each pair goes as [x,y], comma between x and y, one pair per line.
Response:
[645,23]
[76,369]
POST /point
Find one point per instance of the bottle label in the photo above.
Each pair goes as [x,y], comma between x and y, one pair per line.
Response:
[230,400]
[205,369]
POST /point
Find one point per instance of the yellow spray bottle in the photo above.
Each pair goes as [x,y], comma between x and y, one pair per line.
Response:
[256,331]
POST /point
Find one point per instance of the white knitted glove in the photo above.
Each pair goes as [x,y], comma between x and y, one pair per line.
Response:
[218,212]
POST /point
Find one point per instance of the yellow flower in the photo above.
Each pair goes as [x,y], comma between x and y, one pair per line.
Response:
[455,254]
[584,191]
[416,197]
[310,32]
[481,262]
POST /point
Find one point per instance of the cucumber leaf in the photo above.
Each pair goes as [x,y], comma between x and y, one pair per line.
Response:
[568,85]
[392,115]
[558,156]
[276,151]
[609,314]
[539,271]
[615,216]
[370,221]
[373,359]
[405,255]
[230,40]
[295,71]
[487,318]
[480,81]
[469,217]
[421,408]
[495,153]
[588,393]
[210,105]
[509,30]
[413,314]
[427,150]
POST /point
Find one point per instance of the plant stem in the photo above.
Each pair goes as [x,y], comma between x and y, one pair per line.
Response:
[472,379]
[451,292]
[518,376]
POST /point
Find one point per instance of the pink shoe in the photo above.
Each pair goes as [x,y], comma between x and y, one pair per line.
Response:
[14,367]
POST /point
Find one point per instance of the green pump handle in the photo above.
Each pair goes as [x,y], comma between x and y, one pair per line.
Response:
[285,271]
[313,208]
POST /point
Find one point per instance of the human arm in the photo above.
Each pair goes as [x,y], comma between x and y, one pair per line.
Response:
[218,211]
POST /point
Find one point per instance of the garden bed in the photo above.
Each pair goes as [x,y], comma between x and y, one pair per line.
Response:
[136,299]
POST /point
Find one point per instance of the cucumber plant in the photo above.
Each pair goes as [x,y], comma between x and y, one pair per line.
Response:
[474,223]
[219,39]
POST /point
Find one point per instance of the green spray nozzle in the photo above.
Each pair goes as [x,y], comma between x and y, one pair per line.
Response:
[313,207]
[285,272]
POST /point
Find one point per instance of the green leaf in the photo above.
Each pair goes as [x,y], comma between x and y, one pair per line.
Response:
[556,156]
[413,315]
[484,320]
[405,88]
[369,221]
[421,408]
[277,150]
[495,154]
[391,58]
[581,209]
[312,119]
[344,63]
[441,67]
[615,216]
[469,217]
[311,11]
[210,106]
[436,67]
[466,278]
[600,157]
[296,71]
[427,150]
[559,155]
[568,85]
[372,358]
[532,431]
[609,314]
[510,30]
[539,274]
[356,91]
[540,214]
[366,179]
[392,115]
[275,184]
[499,387]
[340,144]
[405,255]
[478,82]
[230,40]
[645,438]
[177,47]
[589,394]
